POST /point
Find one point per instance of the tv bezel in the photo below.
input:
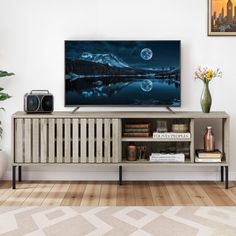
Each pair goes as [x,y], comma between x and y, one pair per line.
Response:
[117,40]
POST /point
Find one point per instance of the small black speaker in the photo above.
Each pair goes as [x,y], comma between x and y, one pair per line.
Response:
[38,101]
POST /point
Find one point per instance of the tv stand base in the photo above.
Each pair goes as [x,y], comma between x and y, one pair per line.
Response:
[77,108]
[170,110]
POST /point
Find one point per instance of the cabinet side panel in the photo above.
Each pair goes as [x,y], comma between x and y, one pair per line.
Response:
[226,139]
[192,146]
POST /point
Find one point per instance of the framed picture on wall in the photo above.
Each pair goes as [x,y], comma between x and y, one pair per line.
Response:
[222,17]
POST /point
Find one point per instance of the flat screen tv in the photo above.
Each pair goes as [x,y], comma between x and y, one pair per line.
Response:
[122,73]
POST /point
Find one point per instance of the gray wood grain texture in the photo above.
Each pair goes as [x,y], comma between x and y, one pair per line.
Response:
[107,140]
[83,141]
[67,143]
[75,140]
[51,141]
[99,140]
[19,125]
[36,141]
[43,140]
[91,139]
[34,132]
[192,146]
[125,114]
[59,123]
[27,141]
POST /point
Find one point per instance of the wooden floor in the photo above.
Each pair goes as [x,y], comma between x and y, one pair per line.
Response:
[110,194]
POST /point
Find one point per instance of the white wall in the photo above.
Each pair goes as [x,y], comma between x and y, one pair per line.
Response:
[32,34]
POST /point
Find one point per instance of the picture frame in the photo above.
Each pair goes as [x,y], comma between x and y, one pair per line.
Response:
[221,18]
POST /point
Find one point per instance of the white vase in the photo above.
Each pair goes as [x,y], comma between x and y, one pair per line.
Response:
[2,163]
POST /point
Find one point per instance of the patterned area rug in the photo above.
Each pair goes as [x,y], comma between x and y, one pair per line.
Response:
[118,221]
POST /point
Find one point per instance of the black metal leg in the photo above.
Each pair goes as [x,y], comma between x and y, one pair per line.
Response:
[226,177]
[19,173]
[13,177]
[120,175]
[222,173]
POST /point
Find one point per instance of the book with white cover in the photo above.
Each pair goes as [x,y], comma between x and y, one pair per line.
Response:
[171,135]
[207,160]
[170,157]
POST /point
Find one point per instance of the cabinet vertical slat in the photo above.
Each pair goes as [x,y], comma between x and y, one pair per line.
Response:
[107,141]
[35,137]
[43,141]
[116,140]
[91,154]
[83,142]
[19,141]
[67,140]
[51,141]
[192,148]
[99,123]
[27,143]
[75,140]
[59,140]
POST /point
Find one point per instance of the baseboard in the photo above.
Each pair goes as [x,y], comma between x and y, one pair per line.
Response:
[113,176]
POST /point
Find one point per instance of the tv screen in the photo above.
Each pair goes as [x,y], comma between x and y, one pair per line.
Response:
[122,73]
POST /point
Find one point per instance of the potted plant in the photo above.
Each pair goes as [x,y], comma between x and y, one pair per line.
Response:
[3,97]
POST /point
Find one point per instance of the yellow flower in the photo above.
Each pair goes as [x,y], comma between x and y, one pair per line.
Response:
[209,74]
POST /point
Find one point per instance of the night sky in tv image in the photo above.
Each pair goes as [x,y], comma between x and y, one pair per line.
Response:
[138,73]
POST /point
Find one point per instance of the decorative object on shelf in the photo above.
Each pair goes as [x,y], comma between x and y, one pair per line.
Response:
[179,128]
[209,141]
[221,18]
[161,126]
[38,101]
[131,152]
[167,157]
[171,135]
[137,130]
[206,75]
[214,155]
[142,152]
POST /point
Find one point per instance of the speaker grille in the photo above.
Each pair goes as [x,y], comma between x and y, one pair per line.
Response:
[32,103]
[47,103]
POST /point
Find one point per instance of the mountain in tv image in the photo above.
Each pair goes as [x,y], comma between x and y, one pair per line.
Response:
[122,73]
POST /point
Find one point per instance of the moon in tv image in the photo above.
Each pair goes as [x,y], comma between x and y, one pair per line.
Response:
[146,85]
[146,54]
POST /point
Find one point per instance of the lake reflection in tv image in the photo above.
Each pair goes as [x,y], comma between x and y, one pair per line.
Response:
[122,73]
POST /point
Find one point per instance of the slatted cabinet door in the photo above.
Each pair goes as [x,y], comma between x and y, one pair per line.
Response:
[67,140]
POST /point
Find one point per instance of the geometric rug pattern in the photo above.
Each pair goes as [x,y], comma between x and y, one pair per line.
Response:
[118,221]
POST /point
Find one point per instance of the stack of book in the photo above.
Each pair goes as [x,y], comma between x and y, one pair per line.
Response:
[137,130]
[202,156]
[167,157]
